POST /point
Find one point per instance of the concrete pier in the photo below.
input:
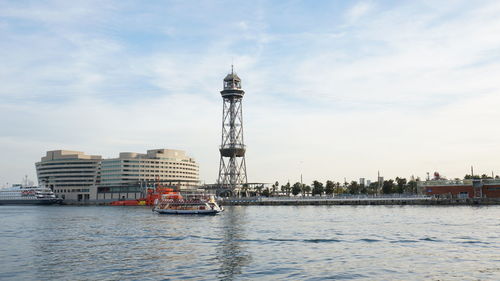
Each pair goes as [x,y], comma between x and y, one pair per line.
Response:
[337,200]
[358,200]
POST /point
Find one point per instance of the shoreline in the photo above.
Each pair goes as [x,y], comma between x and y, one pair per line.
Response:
[365,201]
[355,201]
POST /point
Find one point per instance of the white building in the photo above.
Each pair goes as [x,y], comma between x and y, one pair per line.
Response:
[72,175]
[128,175]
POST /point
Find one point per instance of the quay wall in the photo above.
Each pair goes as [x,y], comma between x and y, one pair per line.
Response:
[361,201]
[301,201]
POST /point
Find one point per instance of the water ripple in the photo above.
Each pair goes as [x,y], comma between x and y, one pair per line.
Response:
[261,243]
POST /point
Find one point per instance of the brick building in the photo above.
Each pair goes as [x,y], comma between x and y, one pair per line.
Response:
[477,188]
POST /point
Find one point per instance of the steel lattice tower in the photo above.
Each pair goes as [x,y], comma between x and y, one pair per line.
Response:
[232,169]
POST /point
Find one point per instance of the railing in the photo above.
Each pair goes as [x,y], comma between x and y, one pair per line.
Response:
[444,182]
[13,197]
[230,146]
[457,182]
[330,198]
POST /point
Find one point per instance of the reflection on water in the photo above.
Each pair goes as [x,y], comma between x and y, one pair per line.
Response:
[260,242]
[230,254]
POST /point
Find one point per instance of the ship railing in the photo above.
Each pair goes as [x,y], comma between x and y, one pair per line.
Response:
[491,181]
[457,182]
[17,197]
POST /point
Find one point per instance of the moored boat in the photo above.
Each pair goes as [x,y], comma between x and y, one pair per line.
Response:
[196,204]
[28,195]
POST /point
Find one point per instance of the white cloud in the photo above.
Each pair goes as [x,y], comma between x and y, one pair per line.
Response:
[359,10]
[406,90]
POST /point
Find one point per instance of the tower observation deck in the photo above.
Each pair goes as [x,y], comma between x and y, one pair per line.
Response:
[232,168]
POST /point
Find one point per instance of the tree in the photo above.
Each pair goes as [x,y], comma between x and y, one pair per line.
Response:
[412,187]
[353,187]
[401,183]
[259,188]
[339,189]
[306,189]
[296,188]
[363,189]
[373,188]
[317,188]
[286,189]
[266,192]
[244,189]
[388,187]
[329,188]
[275,187]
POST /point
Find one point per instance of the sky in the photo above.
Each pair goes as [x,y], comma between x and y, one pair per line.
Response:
[334,89]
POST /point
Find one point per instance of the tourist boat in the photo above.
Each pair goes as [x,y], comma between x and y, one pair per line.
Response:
[30,195]
[194,204]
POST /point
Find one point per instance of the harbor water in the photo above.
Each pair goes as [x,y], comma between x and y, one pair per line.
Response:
[251,242]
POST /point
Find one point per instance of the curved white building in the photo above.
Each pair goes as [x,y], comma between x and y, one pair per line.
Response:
[74,176]
[126,176]
[71,175]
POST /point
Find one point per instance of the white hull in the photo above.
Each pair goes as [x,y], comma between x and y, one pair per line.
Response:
[28,195]
[186,212]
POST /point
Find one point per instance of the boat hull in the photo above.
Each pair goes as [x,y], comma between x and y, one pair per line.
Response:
[30,202]
[186,212]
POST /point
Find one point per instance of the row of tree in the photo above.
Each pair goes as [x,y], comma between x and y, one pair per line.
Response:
[398,185]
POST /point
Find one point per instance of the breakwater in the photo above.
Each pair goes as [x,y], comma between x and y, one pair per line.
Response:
[358,200]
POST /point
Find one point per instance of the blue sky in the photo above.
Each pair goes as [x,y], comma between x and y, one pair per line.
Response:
[334,88]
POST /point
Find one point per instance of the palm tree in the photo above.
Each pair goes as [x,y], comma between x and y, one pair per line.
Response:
[297,187]
[244,189]
[306,189]
[288,189]
[317,188]
[259,188]
[329,188]
[275,186]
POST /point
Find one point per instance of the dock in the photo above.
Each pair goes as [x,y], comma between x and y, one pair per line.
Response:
[357,200]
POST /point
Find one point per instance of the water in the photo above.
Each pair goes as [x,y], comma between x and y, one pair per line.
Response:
[255,242]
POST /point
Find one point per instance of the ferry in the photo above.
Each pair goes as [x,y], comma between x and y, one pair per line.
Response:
[30,195]
[195,204]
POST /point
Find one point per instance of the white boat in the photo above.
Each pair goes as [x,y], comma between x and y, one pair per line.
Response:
[29,195]
[176,204]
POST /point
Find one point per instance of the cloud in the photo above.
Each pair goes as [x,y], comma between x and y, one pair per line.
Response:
[357,11]
[404,88]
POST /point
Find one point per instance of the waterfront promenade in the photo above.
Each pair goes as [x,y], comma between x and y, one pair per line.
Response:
[395,199]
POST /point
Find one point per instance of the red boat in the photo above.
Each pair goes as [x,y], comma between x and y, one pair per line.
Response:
[152,196]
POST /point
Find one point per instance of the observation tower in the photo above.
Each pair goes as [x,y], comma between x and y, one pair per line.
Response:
[232,168]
